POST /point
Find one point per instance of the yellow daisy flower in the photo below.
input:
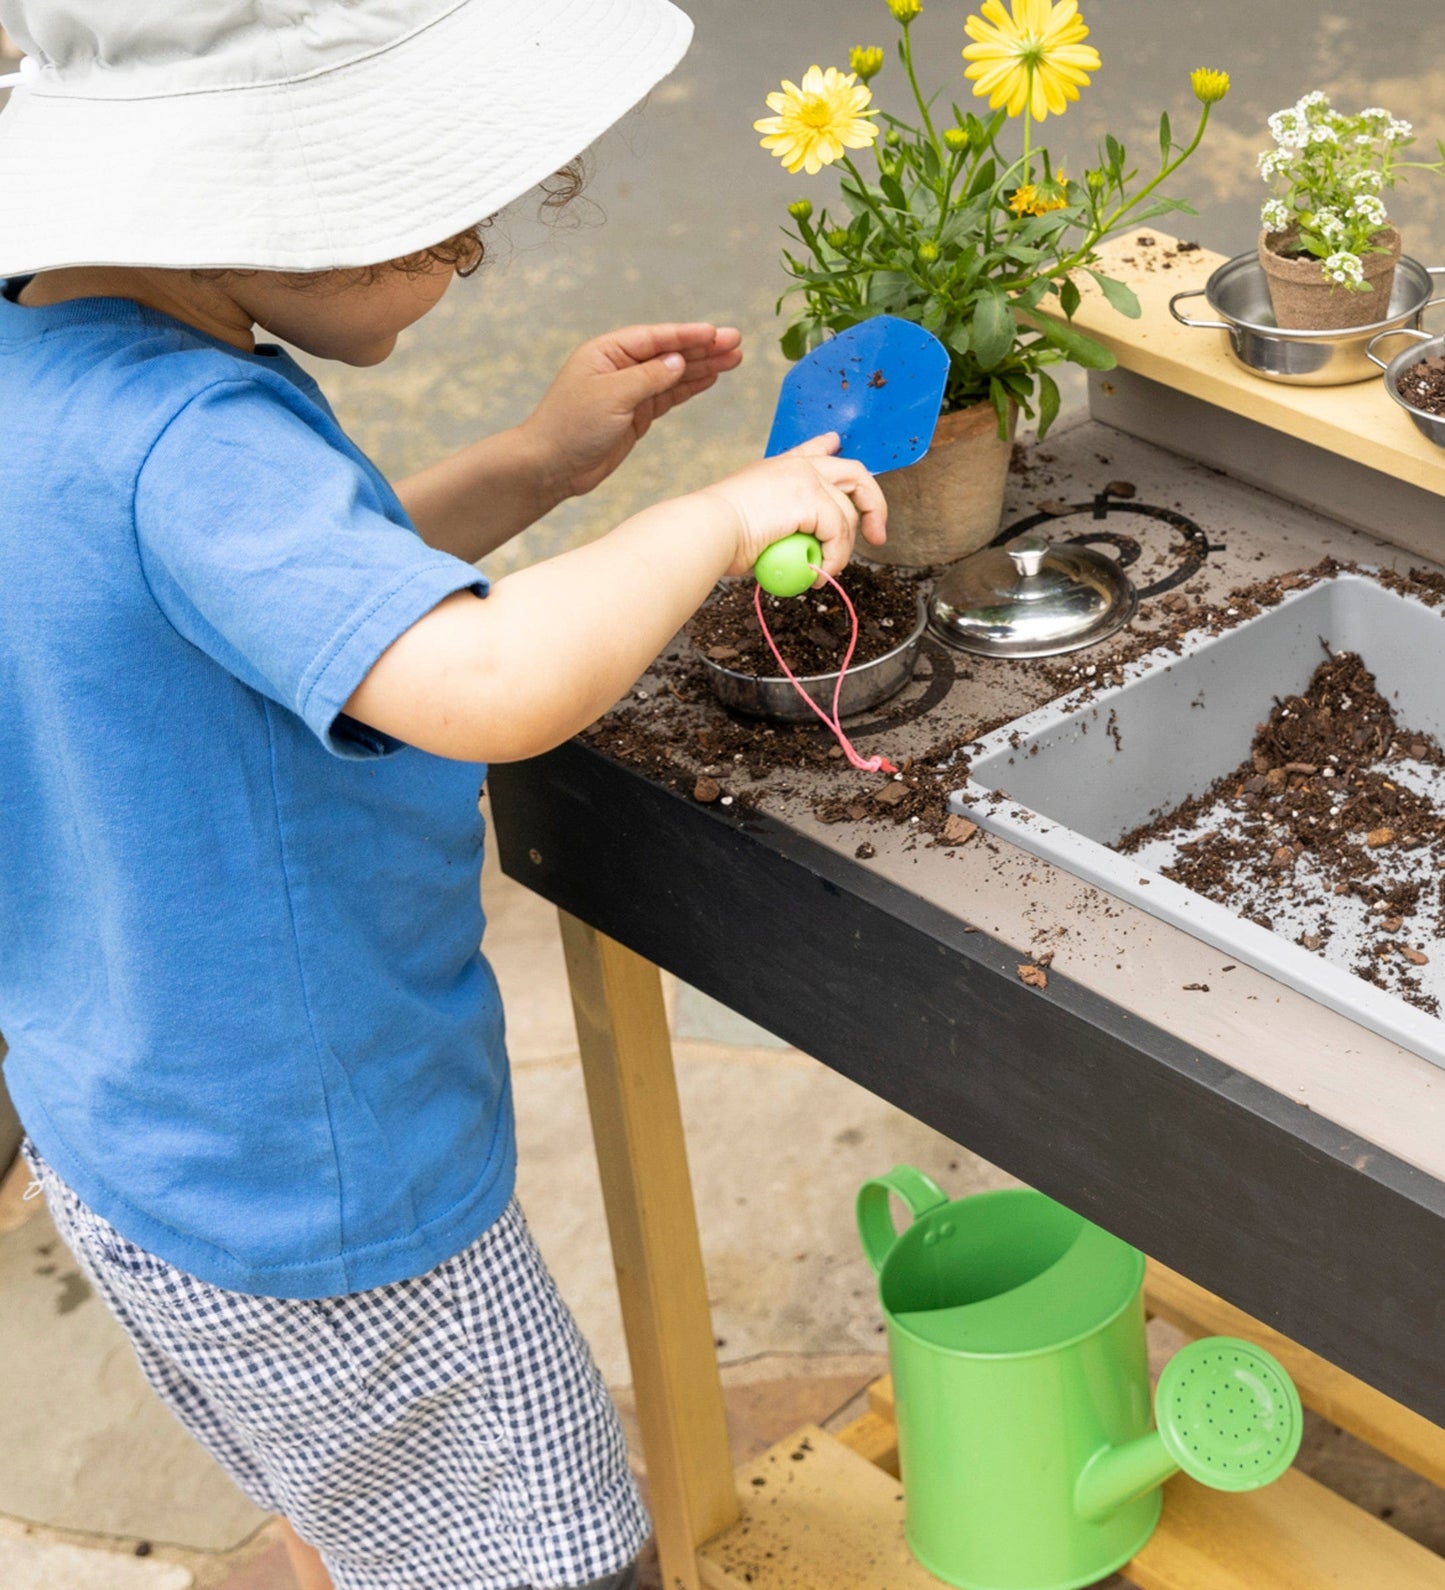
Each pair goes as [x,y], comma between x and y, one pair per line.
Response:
[818,120]
[1034,58]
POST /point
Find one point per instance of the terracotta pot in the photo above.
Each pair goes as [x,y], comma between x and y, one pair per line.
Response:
[1304,300]
[949,503]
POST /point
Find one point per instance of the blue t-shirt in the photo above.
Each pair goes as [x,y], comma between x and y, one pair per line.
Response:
[248,1018]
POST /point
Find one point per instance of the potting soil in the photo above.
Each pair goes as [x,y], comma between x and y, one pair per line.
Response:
[1332,835]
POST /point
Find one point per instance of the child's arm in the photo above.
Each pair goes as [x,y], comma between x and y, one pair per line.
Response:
[607,395]
[555,645]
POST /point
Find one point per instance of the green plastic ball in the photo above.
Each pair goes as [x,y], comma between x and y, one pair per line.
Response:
[789,566]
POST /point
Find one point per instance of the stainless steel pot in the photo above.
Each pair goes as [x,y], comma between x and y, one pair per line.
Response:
[1426,346]
[1238,293]
[864,686]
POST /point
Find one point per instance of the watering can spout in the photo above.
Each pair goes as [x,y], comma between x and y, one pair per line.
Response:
[1119,1475]
[1226,1413]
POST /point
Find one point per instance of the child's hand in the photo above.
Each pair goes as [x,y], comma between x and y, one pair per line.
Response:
[806,489]
[611,390]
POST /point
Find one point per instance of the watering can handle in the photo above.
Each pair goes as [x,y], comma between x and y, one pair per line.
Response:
[876,1230]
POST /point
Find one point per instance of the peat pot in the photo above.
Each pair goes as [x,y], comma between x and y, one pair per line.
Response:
[1304,300]
[1021,1387]
[949,503]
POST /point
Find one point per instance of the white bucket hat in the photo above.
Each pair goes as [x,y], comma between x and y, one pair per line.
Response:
[300,134]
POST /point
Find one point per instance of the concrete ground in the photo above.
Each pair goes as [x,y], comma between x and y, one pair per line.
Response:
[97,1487]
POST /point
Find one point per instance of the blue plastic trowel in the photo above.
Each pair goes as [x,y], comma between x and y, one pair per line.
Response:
[880,386]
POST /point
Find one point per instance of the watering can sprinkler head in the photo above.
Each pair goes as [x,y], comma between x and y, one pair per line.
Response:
[1225,1412]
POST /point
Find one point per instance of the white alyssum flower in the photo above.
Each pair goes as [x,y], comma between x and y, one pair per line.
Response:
[1366,181]
[1272,162]
[1320,135]
[1288,129]
[1397,131]
[1308,102]
[1329,224]
[1346,269]
[1375,118]
[1369,209]
[1275,215]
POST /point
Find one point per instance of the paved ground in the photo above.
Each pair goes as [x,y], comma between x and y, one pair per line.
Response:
[90,1469]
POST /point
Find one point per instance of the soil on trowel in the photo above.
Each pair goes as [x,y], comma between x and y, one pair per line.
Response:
[811,630]
[1332,833]
[1423,384]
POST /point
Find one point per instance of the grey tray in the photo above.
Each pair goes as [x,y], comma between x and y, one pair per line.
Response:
[1078,776]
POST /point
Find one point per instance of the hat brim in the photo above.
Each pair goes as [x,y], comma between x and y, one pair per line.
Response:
[353,166]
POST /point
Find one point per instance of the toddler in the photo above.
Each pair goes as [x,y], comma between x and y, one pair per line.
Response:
[249,691]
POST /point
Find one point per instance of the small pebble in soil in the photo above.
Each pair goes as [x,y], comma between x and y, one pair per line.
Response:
[865,852]
[706,790]
[1033,976]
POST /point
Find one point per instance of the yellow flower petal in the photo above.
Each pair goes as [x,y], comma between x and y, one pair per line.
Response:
[1033,56]
[818,119]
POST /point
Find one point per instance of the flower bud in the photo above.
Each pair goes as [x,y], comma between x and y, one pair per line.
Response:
[928,251]
[893,138]
[837,236]
[1209,86]
[905,10]
[800,209]
[866,61]
[956,138]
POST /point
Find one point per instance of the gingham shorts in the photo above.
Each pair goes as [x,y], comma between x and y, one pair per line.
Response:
[450,1432]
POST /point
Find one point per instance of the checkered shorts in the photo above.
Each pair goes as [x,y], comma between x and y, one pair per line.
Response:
[445,1433]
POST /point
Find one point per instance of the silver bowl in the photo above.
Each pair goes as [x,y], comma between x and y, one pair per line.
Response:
[1426,346]
[1238,293]
[864,686]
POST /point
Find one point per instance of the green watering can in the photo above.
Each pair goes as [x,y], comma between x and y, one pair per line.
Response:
[1021,1387]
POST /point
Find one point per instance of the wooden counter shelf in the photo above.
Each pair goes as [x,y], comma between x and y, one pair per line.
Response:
[825,1512]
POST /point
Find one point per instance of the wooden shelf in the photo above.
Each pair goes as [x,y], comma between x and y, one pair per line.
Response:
[1358,422]
[823,1512]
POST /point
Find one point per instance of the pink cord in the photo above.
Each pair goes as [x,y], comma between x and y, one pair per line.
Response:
[871,764]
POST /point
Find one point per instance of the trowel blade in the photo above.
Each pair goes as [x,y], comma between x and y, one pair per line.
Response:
[879,384]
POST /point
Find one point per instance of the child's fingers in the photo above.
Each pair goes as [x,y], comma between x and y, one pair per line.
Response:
[638,344]
[816,447]
[848,475]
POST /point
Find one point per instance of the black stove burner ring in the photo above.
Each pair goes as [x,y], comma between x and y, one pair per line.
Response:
[1197,545]
[940,682]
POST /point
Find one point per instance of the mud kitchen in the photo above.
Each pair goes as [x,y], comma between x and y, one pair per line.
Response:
[1149,914]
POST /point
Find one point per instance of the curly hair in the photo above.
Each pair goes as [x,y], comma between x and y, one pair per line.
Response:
[463,252]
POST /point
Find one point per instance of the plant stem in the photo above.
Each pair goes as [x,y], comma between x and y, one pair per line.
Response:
[1103,227]
[867,197]
[917,91]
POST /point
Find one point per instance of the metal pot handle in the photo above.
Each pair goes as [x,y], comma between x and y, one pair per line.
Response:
[1398,331]
[1199,325]
[1434,270]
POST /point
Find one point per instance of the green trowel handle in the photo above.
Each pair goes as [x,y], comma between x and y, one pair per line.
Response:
[876,1230]
[789,566]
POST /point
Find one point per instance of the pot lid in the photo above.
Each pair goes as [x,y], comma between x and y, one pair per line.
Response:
[1031,599]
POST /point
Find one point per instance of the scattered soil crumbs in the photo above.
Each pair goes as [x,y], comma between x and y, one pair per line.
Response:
[811,630]
[673,731]
[1423,384]
[1332,834]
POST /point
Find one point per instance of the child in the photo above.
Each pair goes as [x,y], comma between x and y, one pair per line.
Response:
[257,1053]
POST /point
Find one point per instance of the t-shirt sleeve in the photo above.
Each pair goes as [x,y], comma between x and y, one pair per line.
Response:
[273,550]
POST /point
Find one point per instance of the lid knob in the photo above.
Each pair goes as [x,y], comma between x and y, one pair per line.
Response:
[1028,557]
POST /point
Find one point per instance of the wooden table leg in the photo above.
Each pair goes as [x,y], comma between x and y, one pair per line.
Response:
[637,1124]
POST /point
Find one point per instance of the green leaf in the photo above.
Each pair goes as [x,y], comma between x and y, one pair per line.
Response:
[1069,297]
[1119,294]
[795,341]
[1166,141]
[994,328]
[1076,346]
[1049,402]
[998,396]
[1116,153]
[893,191]
[957,342]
